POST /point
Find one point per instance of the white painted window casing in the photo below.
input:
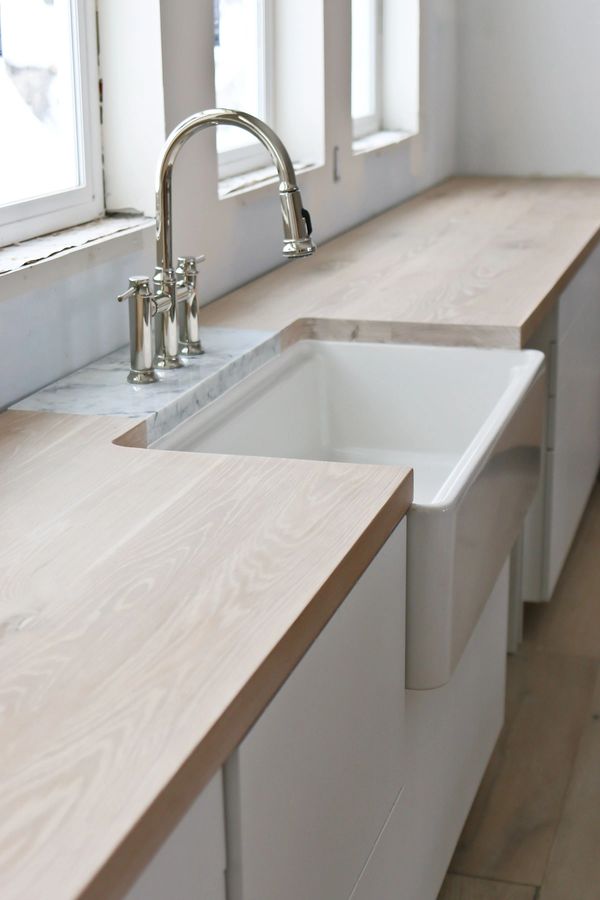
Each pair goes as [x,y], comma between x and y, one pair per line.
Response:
[283,84]
[70,93]
[385,95]
[366,78]
[244,79]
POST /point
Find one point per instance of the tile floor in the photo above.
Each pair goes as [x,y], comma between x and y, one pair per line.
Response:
[534,830]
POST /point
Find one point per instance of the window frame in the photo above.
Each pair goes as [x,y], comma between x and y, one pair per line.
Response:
[254,156]
[37,216]
[364,126]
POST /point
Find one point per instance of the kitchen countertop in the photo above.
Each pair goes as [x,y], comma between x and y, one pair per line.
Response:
[152,604]
[152,601]
[474,261]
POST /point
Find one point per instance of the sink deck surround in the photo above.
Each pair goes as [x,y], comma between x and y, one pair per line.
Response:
[111,719]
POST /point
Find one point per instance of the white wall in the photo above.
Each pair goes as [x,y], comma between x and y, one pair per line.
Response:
[529,87]
[55,322]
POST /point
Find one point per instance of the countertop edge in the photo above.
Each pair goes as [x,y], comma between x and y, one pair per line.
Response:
[532,322]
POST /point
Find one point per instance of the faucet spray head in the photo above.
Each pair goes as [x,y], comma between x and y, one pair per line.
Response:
[297,226]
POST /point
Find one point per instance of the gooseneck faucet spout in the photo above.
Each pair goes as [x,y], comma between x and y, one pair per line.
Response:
[296,221]
[178,334]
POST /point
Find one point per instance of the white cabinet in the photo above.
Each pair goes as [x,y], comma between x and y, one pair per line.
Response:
[570,337]
[450,735]
[190,865]
[311,786]
[575,453]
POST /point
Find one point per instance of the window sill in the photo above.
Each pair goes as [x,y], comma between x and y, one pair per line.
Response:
[39,262]
[379,141]
[37,250]
[258,178]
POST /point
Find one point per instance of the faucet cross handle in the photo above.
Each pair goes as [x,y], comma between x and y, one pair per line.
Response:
[188,265]
[143,306]
[189,324]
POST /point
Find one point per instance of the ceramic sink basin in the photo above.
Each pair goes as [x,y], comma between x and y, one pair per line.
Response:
[468,421]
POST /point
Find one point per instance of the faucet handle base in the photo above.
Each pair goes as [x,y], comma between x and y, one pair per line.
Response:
[141,377]
[142,309]
[191,348]
[167,362]
[189,325]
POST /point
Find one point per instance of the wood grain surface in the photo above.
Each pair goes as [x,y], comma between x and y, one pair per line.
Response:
[573,868]
[458,887]
[511,826]
[472,261]
[151,604]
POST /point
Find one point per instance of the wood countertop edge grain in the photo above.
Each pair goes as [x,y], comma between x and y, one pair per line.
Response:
[535,319]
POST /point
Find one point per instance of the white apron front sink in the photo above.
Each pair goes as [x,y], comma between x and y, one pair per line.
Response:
[468,421]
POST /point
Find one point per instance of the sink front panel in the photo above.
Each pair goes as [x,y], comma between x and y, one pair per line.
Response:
[455,553]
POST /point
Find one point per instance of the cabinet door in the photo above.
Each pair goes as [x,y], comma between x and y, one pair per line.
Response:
[570,337]
[533,563]
[190,865]
[575,454]
[311,786]
[450,735]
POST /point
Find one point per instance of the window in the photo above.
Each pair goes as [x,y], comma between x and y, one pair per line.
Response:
[366,67]
[385,70]
[243,64]
[50,174]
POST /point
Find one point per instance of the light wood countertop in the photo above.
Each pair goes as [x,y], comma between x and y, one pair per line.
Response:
[152,603]
[472,261]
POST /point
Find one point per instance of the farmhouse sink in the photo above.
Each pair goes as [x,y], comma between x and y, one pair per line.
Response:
[468,421]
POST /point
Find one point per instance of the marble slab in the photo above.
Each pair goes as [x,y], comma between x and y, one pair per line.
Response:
[101,388]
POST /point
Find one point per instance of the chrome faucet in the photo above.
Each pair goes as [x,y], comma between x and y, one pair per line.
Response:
[177,331]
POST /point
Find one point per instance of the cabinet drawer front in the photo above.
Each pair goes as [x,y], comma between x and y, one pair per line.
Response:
[570,337]
[191,862]
[583,287]
[310,787]
[450,736]
[576,447]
